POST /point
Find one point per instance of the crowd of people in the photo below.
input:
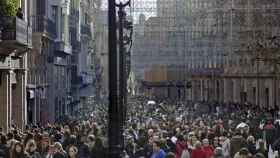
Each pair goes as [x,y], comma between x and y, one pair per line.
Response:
[159,129]
[202,130]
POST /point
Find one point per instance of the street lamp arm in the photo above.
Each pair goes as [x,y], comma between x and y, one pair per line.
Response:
[123,5]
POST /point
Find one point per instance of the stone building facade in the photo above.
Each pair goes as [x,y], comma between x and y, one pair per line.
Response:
[15,45]
[228,49]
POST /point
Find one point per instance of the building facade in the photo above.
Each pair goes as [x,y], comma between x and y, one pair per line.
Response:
[15,45]
[101,53]
[59,65]
[228,49]
[49,75]
[83,60]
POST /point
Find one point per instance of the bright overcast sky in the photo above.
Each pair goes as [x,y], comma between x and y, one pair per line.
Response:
[147,7]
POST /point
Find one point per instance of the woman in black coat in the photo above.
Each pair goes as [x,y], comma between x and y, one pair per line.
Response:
[72,152]
[18,151]
[251,145]
[30,149]
[98,149]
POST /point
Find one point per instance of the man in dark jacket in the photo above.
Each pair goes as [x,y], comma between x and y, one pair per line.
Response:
[269,130]
[149,147]
[237,142]
[83,149]
[4,150]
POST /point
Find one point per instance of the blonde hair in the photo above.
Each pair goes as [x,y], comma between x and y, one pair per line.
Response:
[30,143]
[58,146]
[74,148]
[251,139]
[197,144]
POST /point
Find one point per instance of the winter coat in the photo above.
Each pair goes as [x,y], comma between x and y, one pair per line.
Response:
[186,154]
[237,155]
[160,154]
[180,147]
[237,142]
[218,156]
[270,131]
[18,155]
[33,155]
[198,153]
[148,150]
[59,155]
[209,151]
[83,151]
[252,148]
[97,152]
[140,153]
[4,151]
[226,148]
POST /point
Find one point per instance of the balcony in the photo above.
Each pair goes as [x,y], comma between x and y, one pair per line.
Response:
[16,36]
[63,48]
[60,61]
[85,30]
[74,17]
[76,47]
[76,44]
[44,25]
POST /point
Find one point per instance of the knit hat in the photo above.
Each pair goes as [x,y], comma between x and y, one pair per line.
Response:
[244,151]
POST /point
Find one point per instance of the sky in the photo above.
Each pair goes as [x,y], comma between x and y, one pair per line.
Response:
[146,7]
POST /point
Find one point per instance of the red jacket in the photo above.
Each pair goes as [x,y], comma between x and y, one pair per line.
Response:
[209,151]
[198,153]
[180,147]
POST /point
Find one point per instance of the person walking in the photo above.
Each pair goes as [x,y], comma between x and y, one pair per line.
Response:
[98,149]
[181,145]
[18,151]
[72,152]
[19,13]
[157,151]
[198,152]
[59,151]
[207,148]
[30,149]
[4,149]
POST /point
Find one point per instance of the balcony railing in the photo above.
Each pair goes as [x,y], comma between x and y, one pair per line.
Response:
[85,29]
[74,17]
[60,61]
[61,47]
[76,47]
[76,44]
[16,35]
[43,24]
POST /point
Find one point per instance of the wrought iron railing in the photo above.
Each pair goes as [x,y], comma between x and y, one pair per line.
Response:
[74,18]
[15,29]
[42,23]
[76,44]
[61,47]
[85,29]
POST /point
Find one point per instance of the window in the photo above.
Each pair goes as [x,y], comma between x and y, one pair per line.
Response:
[54,13]
[267,96]
[255,95]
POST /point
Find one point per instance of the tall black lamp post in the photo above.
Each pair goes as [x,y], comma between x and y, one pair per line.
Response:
[117,73]
[114,110]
